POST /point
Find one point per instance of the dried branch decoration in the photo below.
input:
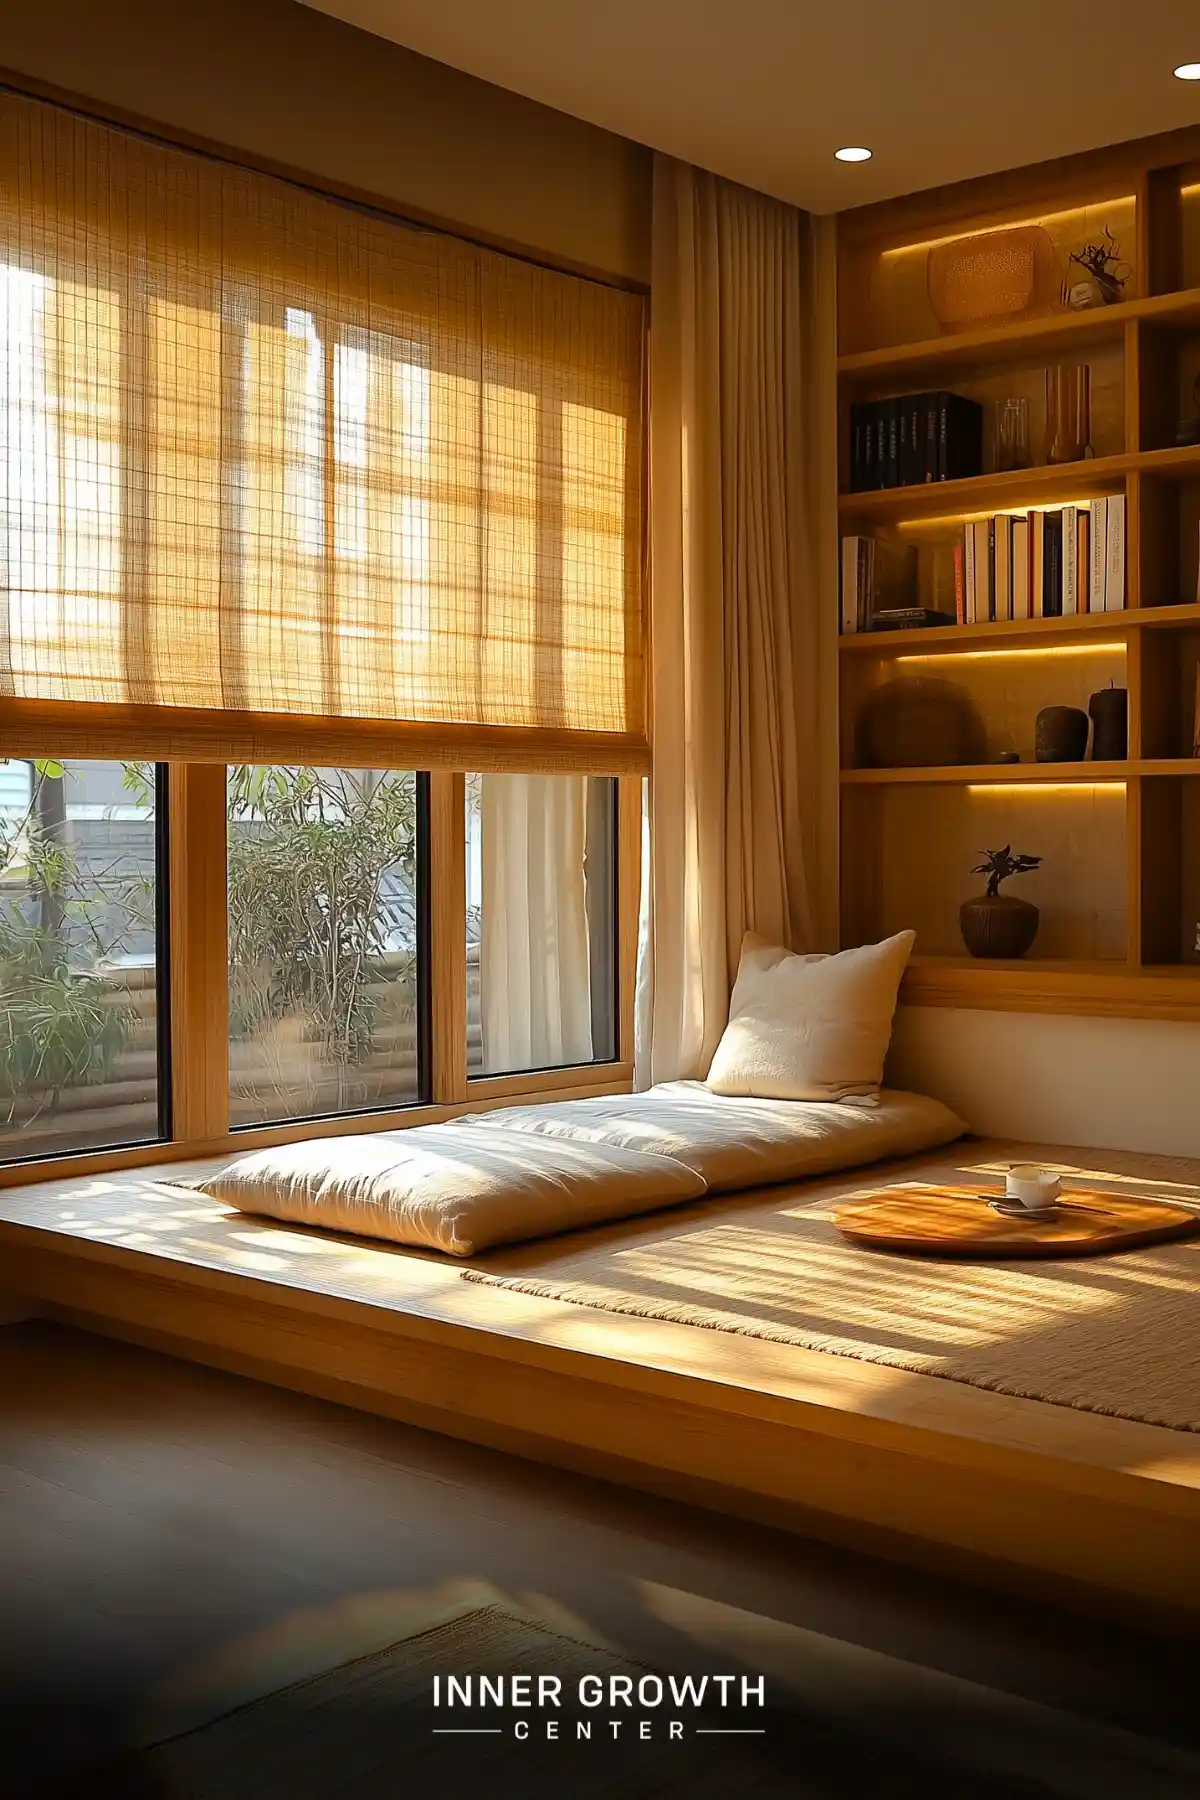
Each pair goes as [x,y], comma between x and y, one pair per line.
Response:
[1102,262]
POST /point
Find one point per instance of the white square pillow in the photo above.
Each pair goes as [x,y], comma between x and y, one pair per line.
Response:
[810,1027]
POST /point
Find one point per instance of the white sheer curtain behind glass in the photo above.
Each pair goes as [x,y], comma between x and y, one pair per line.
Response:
[540,908]
[734,615]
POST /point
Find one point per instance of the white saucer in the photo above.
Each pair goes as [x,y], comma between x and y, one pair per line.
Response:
[1012,1209]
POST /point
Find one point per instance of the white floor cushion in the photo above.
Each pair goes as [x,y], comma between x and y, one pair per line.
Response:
[738,1143]
[455,1188]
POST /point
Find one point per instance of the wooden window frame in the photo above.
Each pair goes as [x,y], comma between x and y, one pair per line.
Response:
[197,985]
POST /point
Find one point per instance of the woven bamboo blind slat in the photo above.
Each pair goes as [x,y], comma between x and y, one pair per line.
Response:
[263,454]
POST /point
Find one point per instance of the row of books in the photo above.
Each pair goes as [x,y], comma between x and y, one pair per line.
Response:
[914,438]
[1035,565]
[1042,565]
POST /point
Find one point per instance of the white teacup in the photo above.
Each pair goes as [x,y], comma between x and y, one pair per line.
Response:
[1030,1186]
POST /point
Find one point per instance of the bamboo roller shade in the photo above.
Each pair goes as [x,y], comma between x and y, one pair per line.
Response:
[264,456]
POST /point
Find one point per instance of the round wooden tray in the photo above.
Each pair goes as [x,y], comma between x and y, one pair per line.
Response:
[945,1221]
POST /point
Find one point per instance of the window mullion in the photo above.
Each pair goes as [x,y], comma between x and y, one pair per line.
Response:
[448,937]
[199,972]
[629,900]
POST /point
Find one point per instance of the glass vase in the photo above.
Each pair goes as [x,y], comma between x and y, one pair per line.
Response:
[1012,435]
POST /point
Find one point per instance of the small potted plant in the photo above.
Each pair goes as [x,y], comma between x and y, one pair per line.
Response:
[996,924]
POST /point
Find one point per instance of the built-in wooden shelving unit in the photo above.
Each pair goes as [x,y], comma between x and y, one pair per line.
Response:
[1119,885]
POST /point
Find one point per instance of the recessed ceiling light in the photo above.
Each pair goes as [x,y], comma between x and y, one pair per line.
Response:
[855,152]
[1188,71]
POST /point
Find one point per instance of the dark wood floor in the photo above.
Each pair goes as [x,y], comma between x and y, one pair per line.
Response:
[165,1528]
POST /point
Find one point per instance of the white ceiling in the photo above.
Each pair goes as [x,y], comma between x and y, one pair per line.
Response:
[764,91]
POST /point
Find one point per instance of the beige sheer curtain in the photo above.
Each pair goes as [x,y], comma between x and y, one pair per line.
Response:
[735,792]
[534,949]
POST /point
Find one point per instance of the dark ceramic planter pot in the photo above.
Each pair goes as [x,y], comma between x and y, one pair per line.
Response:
[998,925]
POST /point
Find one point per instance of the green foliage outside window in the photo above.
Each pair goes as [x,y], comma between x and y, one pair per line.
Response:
[322,951]
[315,951]
[63,1022]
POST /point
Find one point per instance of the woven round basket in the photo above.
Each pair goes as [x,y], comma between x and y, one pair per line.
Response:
[918,722]
[993,276]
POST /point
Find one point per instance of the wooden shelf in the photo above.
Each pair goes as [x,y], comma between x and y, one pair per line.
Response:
[1056,334]
[1007,773]
[1017,488]
[1090,989]
[1181,462]
[1187,615]
[1045,965]
[947,639]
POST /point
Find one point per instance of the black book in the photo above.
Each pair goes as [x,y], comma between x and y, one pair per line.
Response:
[891,443]
[929,460]
[1052,566]
[908,618]
[968,439]
[858,431]
[959,437]
[879,415]
[866,448]
[915,412]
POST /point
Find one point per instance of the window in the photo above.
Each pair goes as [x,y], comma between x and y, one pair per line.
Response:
[80,911]
[541,922]
[326,941]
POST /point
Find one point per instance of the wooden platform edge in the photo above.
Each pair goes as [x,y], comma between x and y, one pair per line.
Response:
[1108,1542]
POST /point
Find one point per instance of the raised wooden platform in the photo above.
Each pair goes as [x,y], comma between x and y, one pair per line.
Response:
[1094,1512]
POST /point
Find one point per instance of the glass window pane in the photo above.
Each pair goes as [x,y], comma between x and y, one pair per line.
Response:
[323,942]
[79,906]
[541,922]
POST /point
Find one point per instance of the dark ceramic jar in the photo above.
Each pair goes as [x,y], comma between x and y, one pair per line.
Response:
[1061,734]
